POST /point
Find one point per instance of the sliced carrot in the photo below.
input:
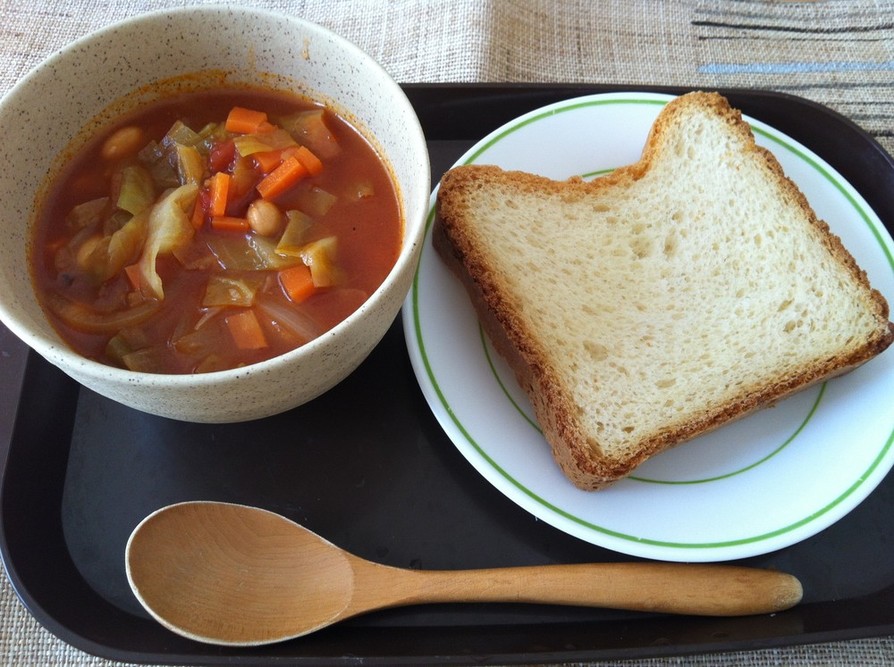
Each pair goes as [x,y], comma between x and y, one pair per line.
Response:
[198,213]
[297,282]
[290,172]
[246,330]
[267,161]
[310,161]
[245,121]
[219,188]
[226,223]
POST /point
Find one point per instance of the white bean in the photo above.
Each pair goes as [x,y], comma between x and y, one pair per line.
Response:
[264,217]
[122,143]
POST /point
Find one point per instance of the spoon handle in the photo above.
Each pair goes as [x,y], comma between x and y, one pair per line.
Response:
[674,588]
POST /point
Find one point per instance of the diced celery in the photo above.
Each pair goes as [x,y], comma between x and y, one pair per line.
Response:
[360,190]
[137,189]
[155,158]
[153,359]
[208,136]
[309,128]
[117,348]
[265,248]
[294,236]
[136,337]
[248,144]
[199,342]
[151,153]
[319,256]
[125,342]
[190,164]
[316,201]
[180,133]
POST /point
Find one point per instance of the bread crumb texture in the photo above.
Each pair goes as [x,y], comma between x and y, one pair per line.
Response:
[668,297]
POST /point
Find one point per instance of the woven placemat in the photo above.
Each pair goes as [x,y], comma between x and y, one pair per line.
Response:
[837,53]
[840,54]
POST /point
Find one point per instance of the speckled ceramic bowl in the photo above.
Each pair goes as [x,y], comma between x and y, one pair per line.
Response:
[96,77]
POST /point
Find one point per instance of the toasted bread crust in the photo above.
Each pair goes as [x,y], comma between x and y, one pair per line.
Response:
[578,452]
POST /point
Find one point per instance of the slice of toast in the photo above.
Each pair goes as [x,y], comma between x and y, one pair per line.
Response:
[663,300]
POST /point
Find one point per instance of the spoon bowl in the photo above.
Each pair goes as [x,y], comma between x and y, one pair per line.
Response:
[214,571]
[235,575]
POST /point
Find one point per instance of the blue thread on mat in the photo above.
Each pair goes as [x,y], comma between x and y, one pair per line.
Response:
[796,68]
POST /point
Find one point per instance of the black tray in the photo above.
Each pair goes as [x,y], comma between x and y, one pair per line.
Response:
[368,467]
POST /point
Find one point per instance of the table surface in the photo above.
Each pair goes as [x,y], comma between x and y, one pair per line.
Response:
[839,53]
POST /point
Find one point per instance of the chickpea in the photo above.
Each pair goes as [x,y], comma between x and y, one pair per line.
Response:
[122,143]
[264,217]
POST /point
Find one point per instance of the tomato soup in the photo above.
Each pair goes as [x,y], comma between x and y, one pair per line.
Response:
[213,230]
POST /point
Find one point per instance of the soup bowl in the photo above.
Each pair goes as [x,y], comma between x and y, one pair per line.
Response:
[117,69]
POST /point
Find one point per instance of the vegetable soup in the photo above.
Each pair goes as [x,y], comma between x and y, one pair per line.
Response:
[213,230]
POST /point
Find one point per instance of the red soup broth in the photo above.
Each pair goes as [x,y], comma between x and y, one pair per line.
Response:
[191,237]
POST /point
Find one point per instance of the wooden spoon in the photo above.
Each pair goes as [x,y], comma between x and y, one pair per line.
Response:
[236,575]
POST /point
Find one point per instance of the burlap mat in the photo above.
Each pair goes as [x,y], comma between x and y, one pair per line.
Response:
[838,53]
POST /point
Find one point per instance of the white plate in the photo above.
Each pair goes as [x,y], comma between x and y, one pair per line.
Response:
[760,484]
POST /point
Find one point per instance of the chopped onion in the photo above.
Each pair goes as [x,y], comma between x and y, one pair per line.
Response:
[294,320]
[81,317]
